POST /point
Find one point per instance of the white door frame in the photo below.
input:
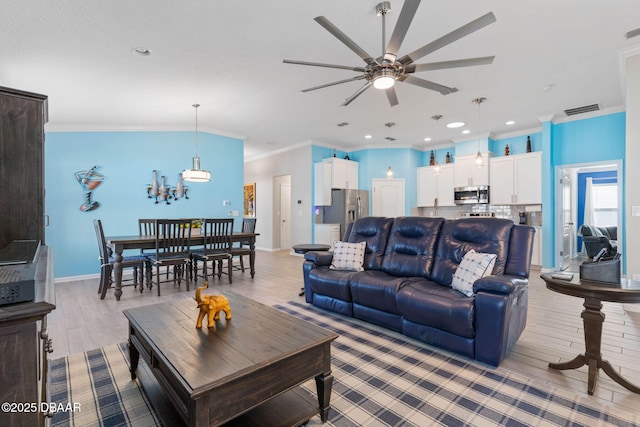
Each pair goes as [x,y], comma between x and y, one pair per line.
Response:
[558,220]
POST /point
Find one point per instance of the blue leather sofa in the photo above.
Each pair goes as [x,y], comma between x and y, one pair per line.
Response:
[406,283]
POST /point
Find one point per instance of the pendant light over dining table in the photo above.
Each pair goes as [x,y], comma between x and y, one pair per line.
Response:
[195,174]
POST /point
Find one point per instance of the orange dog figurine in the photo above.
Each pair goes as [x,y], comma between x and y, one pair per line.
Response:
[211,305]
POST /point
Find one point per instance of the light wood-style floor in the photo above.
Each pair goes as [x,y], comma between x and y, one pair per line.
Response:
[81,322]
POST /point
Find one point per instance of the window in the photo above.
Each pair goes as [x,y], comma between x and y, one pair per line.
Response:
[605,204]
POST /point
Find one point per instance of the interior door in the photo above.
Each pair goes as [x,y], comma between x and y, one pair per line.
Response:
[388,197]
[567,222]
[285,216]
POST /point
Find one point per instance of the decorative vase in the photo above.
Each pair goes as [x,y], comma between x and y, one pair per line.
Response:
[346,156]
[432,159]
[506,150]
[448,158]
[528,144]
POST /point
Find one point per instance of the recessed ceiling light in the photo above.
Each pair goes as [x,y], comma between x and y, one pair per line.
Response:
[454,125]
[427,139]
[510,122]
[142,51]
[466,131]
[368,137]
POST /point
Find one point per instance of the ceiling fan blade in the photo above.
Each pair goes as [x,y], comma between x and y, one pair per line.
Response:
[457,34]
[348,101]
[469,62]
[320,64]
[402,26]
[333,83]
[344,39]
[392,96]
[445,90]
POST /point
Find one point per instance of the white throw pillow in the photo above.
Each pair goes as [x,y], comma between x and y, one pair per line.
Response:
[348,256]
[473,266]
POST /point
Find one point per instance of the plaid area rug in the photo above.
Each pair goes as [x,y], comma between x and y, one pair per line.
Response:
[381,378]
[100,383]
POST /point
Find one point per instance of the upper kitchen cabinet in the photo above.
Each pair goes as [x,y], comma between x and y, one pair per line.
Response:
[468,174]
[333,173]
[22,119]
[517,179]
[435,187]
[344,173]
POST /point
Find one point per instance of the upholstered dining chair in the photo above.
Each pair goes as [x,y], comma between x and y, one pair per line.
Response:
[137,262]
[172,249]
[243,248]
[217,248]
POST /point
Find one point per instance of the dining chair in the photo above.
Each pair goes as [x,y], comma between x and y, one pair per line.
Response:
[172,249]
[243,248]
[137,262]
[217,248]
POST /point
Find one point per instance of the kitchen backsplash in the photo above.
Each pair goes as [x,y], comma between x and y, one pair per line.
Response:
[512,212]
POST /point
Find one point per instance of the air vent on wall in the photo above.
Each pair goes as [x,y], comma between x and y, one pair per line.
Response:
[581,110]
[633,33]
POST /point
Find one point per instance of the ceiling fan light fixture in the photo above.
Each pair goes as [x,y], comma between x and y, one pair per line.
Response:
[384,79]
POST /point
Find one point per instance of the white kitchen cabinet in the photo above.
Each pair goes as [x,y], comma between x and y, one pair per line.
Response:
[322,184]
[326,234]
[344,173]
[434,186]
[333,173]
[516,179]
[468,174]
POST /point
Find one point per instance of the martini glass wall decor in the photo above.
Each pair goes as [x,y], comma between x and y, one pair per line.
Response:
[89,180]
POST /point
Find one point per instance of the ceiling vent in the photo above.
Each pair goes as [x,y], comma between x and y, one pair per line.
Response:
[582,110]
[388,138]
[342,124]
[633,33]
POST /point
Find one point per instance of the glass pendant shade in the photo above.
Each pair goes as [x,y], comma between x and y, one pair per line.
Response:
[195,174]
[389,172]
[479,160]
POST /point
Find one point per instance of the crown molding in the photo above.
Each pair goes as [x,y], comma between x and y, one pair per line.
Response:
[49,127]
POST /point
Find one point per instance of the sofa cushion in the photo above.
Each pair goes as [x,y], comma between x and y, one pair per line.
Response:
[348,256]
[332,283]
[473,266]
[374,231]
[376,289]
[428,303]
[487,235]
[411,246]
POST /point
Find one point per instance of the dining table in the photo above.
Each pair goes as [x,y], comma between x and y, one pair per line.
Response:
[119,244]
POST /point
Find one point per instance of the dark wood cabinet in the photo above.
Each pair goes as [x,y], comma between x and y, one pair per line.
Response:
[22,119]
[24,348]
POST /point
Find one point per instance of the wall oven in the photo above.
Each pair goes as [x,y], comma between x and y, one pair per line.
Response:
[471,195]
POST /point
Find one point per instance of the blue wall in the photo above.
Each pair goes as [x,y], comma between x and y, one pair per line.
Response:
[127,160]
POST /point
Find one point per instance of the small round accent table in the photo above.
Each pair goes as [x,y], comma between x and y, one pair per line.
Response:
[628,291]
[308,247]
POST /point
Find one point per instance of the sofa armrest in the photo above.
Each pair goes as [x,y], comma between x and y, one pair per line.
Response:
[503,284]
[319,258]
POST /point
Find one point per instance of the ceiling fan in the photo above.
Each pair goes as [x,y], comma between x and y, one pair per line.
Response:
[384,71]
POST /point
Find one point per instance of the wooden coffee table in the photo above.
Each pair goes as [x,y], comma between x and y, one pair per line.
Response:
[251,364]
[628,291]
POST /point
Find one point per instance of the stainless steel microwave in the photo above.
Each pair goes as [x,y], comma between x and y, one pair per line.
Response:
[471,195]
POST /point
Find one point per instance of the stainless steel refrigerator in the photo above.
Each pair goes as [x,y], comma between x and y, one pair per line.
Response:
[346,207]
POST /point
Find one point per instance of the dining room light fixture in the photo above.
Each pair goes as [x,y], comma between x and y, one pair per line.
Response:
[195,174]
[479,160]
